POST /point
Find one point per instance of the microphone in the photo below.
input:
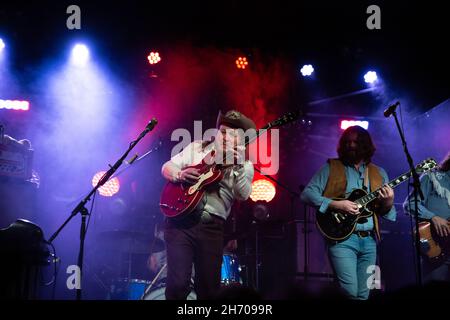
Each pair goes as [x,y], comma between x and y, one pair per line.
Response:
[151,125]
[391,109]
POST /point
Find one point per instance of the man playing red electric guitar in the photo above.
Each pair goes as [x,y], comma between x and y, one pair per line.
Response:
[198,237]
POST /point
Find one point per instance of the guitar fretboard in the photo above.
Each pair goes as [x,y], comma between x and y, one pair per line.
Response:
[393,183]
[291,116]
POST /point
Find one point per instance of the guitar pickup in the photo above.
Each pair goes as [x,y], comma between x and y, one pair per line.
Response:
[336,217]
[339,217]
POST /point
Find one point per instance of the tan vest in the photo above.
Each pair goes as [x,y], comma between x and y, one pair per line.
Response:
[337,184]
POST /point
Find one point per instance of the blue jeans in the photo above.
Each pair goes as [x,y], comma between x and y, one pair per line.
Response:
[350,260]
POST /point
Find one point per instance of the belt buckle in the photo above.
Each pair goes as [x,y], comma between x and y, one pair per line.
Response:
[363,233]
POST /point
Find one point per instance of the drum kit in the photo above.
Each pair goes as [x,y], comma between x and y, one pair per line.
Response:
[130,287]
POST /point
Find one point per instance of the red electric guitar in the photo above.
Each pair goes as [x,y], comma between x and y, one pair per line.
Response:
[180,199]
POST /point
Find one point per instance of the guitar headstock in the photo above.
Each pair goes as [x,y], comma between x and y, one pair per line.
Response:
[426,165]
[285,119]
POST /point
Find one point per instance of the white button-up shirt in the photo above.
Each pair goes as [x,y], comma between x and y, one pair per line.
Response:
[236,182]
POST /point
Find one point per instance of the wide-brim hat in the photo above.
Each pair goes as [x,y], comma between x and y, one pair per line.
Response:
[235,119]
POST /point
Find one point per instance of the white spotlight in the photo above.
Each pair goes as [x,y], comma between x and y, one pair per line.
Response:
[2,44]
[370,77]
[80,55]
[307,70]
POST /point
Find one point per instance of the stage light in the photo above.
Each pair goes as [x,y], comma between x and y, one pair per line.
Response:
[2,45]
[262,190]
[370,77]
[307,70]
[154,58]
[241,62]
[80,55]
[350,123]
[110,188]
[14,105]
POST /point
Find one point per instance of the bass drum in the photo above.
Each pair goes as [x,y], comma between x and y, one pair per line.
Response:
[159,293]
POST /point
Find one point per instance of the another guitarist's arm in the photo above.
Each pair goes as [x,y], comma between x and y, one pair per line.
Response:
[440,224]
[408,205]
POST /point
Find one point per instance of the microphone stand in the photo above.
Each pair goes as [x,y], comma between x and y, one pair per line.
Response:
[80,208]
[417,192]
[133,160]
[305,238]
[136,159]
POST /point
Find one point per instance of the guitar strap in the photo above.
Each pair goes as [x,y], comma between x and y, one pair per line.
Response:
[374,185]
[366,179]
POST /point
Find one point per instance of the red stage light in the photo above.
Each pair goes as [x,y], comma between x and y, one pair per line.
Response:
[262,190]
[110,188]
[241,62]
[154,58]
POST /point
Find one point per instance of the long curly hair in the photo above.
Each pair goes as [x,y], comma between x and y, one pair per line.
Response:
[366,148]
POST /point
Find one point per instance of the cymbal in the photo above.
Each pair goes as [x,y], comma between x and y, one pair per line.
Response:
[135,240]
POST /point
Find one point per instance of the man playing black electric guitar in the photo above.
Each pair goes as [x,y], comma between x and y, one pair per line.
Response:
[353,256]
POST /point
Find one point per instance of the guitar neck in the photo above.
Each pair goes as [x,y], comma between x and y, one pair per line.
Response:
[393,183]
[291,116]
[258,133]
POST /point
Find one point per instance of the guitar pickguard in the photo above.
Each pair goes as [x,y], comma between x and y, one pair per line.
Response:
[201,179]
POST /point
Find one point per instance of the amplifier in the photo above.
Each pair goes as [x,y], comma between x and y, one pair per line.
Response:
[15,161]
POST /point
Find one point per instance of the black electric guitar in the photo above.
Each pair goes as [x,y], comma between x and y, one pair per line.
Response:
[338,226]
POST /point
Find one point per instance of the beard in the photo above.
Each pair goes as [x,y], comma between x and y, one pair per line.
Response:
[352,156]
